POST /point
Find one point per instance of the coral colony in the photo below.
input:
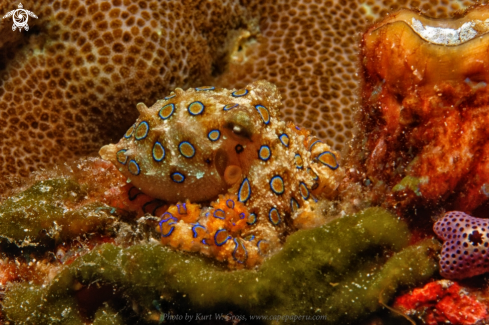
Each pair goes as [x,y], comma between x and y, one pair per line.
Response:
[232,200]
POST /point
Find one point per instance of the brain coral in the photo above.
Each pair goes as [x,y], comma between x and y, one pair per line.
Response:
[70,84]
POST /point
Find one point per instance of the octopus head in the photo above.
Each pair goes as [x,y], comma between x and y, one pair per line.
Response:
[194,144]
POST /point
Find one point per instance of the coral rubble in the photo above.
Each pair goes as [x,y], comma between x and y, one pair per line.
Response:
[199,143]
[309,276]
[424,117]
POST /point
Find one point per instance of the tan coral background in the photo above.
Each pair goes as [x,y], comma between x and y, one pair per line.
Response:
[70,83]
[309,49]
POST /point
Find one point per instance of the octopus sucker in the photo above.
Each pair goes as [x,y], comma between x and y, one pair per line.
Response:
[247,178]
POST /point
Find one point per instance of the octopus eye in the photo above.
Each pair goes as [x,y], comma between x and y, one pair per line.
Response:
[240,124]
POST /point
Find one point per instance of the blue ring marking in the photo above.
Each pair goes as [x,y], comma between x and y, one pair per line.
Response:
[273,181]
[174,221]
[205,242]
[145,133]
[128,134]
[294,205]
[240,93]
[166,115]
[175,177]
[219,211]
[244,189]
[313,174]
[326,164]
[225,240]
[214,135]
[195,234]
[251,219]
[264,153]
[230,106]
[170,97]
[314,143]
[299,163]
[205,88]
[183,143]
[132,162]
[237,244]
[302,188]
[314,198]
[284,138]
[182,208]
[200,108]
[156,156]
[249,238]
[264,113]
[258,246]
[117,156]
[242,215]
[297,128]
[272,210]
[230,203]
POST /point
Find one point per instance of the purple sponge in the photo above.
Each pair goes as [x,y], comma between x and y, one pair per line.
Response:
[465,250]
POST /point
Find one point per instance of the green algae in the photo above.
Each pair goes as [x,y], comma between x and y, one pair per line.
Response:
[412,183]
[107,316]
[46,211]
[339,271]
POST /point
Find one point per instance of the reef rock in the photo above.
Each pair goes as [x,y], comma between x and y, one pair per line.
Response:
[443,302]
[424,118]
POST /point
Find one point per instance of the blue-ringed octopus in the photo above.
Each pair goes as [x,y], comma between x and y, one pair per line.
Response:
[257,178]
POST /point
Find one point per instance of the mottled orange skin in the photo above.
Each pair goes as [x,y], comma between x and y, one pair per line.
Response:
[424,116]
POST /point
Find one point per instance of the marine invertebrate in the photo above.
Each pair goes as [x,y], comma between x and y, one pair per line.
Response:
[465,250]
[156,280]
[199,143]
[441,302]
[424,133]
[70,84]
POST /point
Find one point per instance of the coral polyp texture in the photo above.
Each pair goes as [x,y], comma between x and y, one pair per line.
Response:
[229,146]
[70,84]
[465,250]
[424,116]
[443,302]
[309,49]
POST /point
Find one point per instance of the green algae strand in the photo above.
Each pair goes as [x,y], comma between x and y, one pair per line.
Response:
[341,271]
[49,210]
